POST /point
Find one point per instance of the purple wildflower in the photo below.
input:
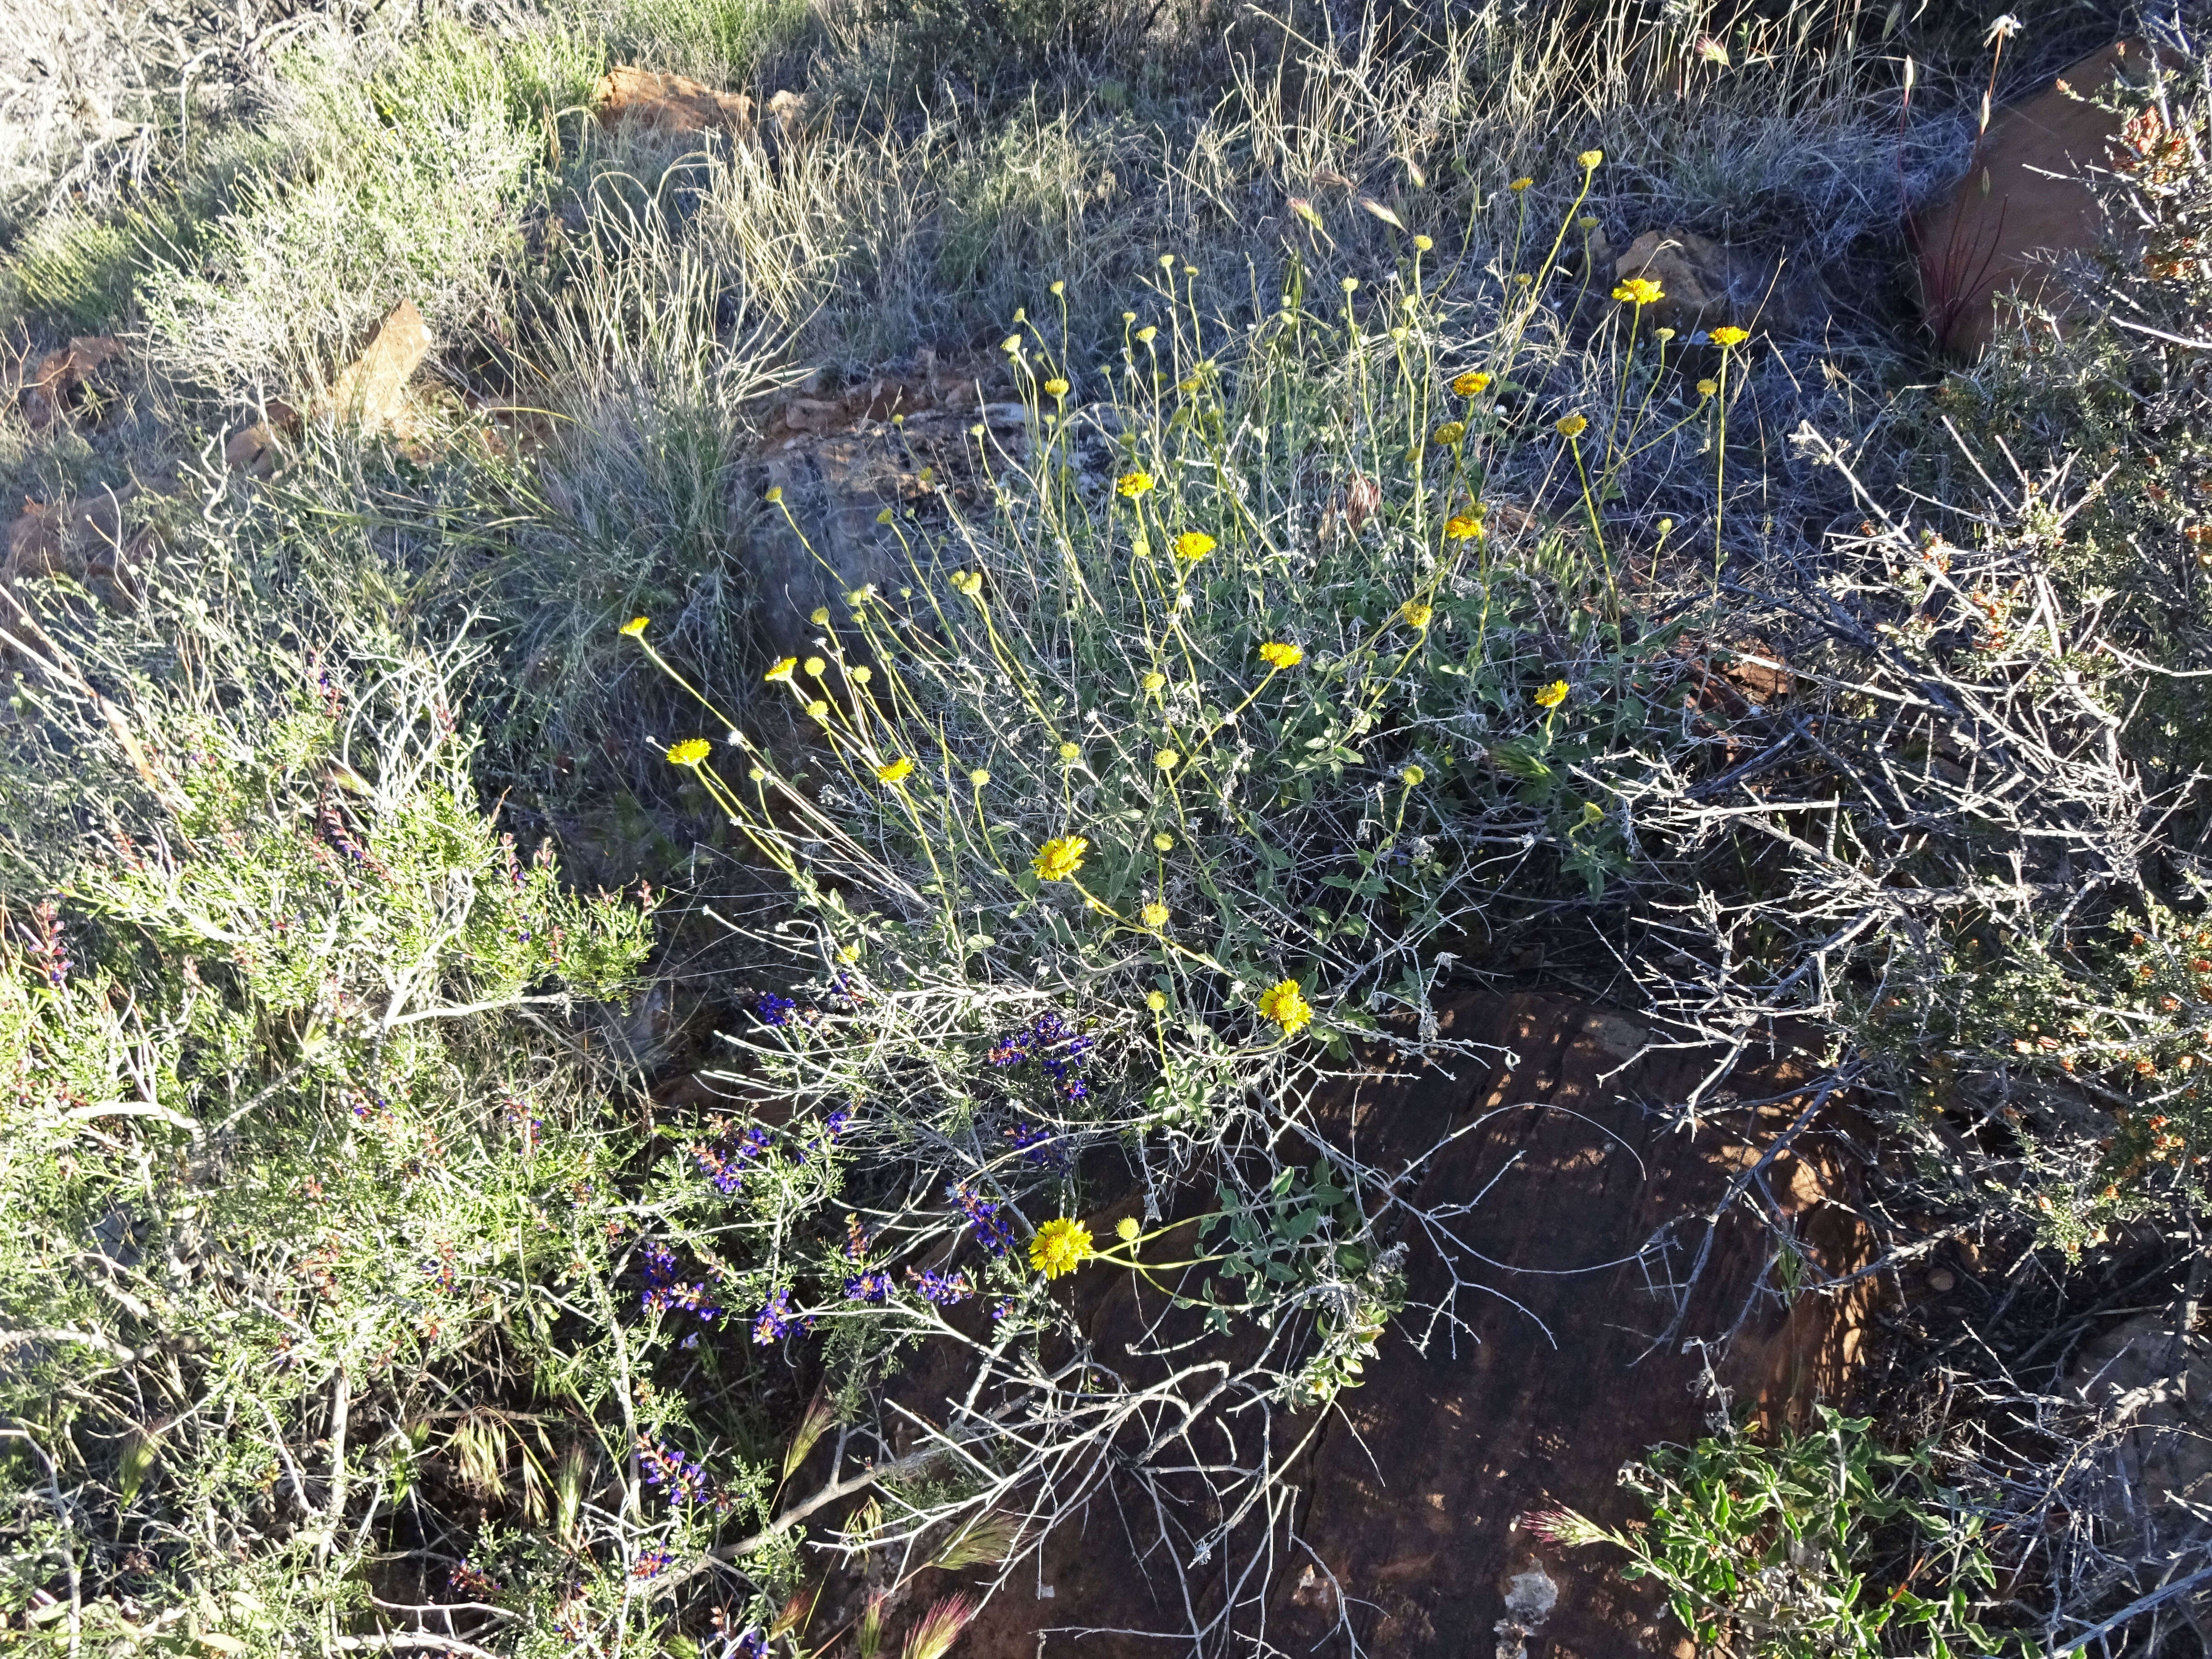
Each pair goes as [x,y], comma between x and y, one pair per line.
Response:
[873,1286]
[48,948]
[775,1010]
[663,1292]
[775,1321]
[990,1233]
[681,1479]
[943,1290]
[727,1170]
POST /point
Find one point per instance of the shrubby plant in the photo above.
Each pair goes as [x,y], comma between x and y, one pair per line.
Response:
[1823,1543]
[280,1151]
[1177,768]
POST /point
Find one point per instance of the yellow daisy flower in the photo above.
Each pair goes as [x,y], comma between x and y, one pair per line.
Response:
[1460,527]
[1056,387]
[1590,159]
[1193,545]
[1638,291]
[1287,1004]
[1552,696]
[1060,1246]
[1167,760]
[894,771]
[635,627]
[1521,183]
[1133,485]
[1473,384]
[1279,655]
[783,669]
[690,752]
[1731,336]
[1571,426]
[1060,858]
[1154,914]
[1417,614]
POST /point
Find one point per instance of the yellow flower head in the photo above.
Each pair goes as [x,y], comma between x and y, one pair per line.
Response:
[1127,1229]
[1167,760]
[635,627]
[1157,1003]
[1590,159]
[1069,751]
[862,675]
[1287,1004]
[1552,696]
[1571,426]
[783,669]
[1638,291]
[1417,613]
[969,582]
[1279,655]
[1133,485]
[1056,387]
[1473,384]
[1145,334]
[1414,777]
[1193,545]
[774,494]
[819,616]
[1013,342]
[1460,527]
[1448,434]
[1731,336]
[818,709]
[978,777]
[1154,681]
[1423,244]
[1164,842]
[1060,858]
[894,771]
[1520,184]
[814,667]
[690,752]
[1707,388]
[1154,914]
[1060,1246]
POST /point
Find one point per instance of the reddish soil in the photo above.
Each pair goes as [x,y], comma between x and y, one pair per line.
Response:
[1412,1498]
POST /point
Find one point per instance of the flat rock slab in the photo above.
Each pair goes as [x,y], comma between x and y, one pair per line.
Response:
[60,375]
[2021,202]
[671,103]
[1407,1508]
